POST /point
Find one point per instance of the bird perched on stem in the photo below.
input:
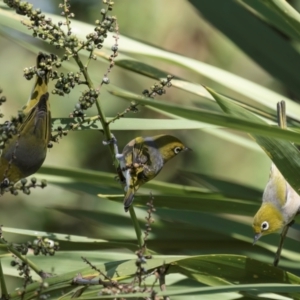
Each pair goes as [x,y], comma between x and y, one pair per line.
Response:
[280,202]
[143,158]
[26,139]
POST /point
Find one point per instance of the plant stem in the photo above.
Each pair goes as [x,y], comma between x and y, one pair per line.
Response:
[32,265]
[137,227]
[4,291]
[108,136]
[102,117]
[120,115]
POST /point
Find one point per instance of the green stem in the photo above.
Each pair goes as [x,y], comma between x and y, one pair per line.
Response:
[108,136]
[66,11]
[137,227]
[86,120]
[4,291]
[102,118]
[120,115]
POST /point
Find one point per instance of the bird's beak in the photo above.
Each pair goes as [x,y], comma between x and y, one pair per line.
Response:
[187,149]
[256,238]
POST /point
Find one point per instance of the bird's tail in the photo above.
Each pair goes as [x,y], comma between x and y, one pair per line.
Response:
[128,198]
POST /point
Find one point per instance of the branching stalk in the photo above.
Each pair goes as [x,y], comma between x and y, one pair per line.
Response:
[4,290]
[24,259]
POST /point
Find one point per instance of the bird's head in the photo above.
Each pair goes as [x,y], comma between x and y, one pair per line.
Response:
[267,220]
[169,146]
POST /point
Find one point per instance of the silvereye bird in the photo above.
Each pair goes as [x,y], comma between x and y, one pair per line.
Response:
[24,152]
[280,205]
[143,158]
[280,202]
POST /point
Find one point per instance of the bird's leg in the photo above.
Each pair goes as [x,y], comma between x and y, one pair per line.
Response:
[113,141]
[119,157]
[282,237]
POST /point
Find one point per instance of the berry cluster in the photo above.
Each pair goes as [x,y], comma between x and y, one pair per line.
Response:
[64,82]
[159,88]
[45,66]
[86,100]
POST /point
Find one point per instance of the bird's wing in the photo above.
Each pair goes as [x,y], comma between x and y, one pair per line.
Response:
[141,159]
[139,171]
[282,195]
[276,190]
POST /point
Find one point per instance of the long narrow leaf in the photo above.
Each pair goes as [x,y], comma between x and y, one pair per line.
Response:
[270,50]
[201,115]
[253,91]
[283,153]
[132,124]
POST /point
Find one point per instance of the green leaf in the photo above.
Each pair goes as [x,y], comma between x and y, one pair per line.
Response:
[56,174]
[236,268]
[223,186]
[132,124]
[192,113]
[270,50]
[98,243]
[258,94]
[231,270]
[206,202]
[280,14]
[284,154]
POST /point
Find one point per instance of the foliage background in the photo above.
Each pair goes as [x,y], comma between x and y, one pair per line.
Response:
[168,27]
[176,28]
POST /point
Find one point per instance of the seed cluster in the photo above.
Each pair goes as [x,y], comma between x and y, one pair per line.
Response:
[24,185]
[86,100]
[65,83]
[159,88]
[55,34]
[10,128]
[45,66]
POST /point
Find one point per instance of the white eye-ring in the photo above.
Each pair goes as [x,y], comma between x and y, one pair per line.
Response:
[177,150]
[265,225]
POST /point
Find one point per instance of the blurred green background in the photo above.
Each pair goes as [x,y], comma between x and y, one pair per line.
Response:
[177,28]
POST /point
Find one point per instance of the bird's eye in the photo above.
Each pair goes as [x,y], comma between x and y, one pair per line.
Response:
[265,225]
[177,150]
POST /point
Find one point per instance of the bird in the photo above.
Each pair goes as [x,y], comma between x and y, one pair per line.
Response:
[280,202]
[143,158]
[25,150]
[279,207]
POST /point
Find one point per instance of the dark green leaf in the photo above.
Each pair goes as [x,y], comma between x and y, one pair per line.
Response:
[284,154]
[192,113]
[270,50]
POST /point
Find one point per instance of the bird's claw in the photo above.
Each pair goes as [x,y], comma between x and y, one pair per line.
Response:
[119,156]
[113,140]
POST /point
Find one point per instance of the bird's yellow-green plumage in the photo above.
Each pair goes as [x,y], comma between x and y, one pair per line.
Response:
[144,157]
[24,153]
[280,202]
[280,205]
[277,187]
[270,214]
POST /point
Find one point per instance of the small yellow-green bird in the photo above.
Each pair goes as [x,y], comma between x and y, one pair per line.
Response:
[143,158]
[280,203]
[279,208]
[24,153]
